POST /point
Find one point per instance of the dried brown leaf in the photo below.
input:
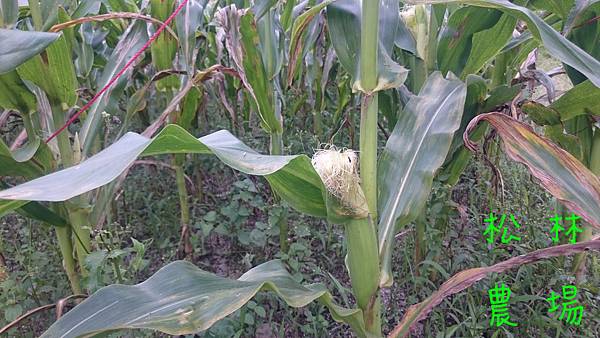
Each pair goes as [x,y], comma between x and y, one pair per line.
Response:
[559,172]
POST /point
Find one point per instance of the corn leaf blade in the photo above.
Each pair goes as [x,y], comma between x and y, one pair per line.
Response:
[557,171]
[297,49]
[415,150]
[343,21]
[9,12]
[14,94]
[183,299]
[187,24]
[292,177]
[130,43]
[242,41]
[557,45]
[19,46]
[582,99]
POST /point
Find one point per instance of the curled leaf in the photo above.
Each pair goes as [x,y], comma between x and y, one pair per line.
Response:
[292,177]
[183,299]
[559,172]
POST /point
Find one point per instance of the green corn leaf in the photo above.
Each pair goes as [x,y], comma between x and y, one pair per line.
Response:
[499,96]
[404,38]
[577,12]
[39,212]
[459,157]
[189,108]
[164,48]
[256,74]
[582,99]
[86,7]
[8,206]
[415,150]
[35,70]
[558,7]
[122,5]
[14,94]
[286,16]
[130,43]
[540,114]
[568,142]
[188,22]
[555,43]
[343,21]
[84,51]
[49,11]
[292,177]
[271,44]
[488,43]
[476,94]
[242,41]
[19,46]
[17,164]
[55,73]
[60,65]
[472,37]
[261,7]
[32,210]
[9,12]
[183,299]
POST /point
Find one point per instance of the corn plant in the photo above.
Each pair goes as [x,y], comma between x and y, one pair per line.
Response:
[371,195]
[42,88]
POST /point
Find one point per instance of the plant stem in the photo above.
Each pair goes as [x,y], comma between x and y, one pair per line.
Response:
[66,249]
[276,144]
[283,230]
[499,71]
[363,267]
[361,236]
[369,45]
[368,120]
[79,217]
[183,204]
[64,145]
[587,234]
[420,227]
[78,213]
[368,151]
[276,148]
[36,14]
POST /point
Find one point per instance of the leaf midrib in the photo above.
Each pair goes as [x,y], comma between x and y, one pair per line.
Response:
[389,215]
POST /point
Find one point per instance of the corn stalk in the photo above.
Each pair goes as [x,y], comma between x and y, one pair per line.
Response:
[363,257]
